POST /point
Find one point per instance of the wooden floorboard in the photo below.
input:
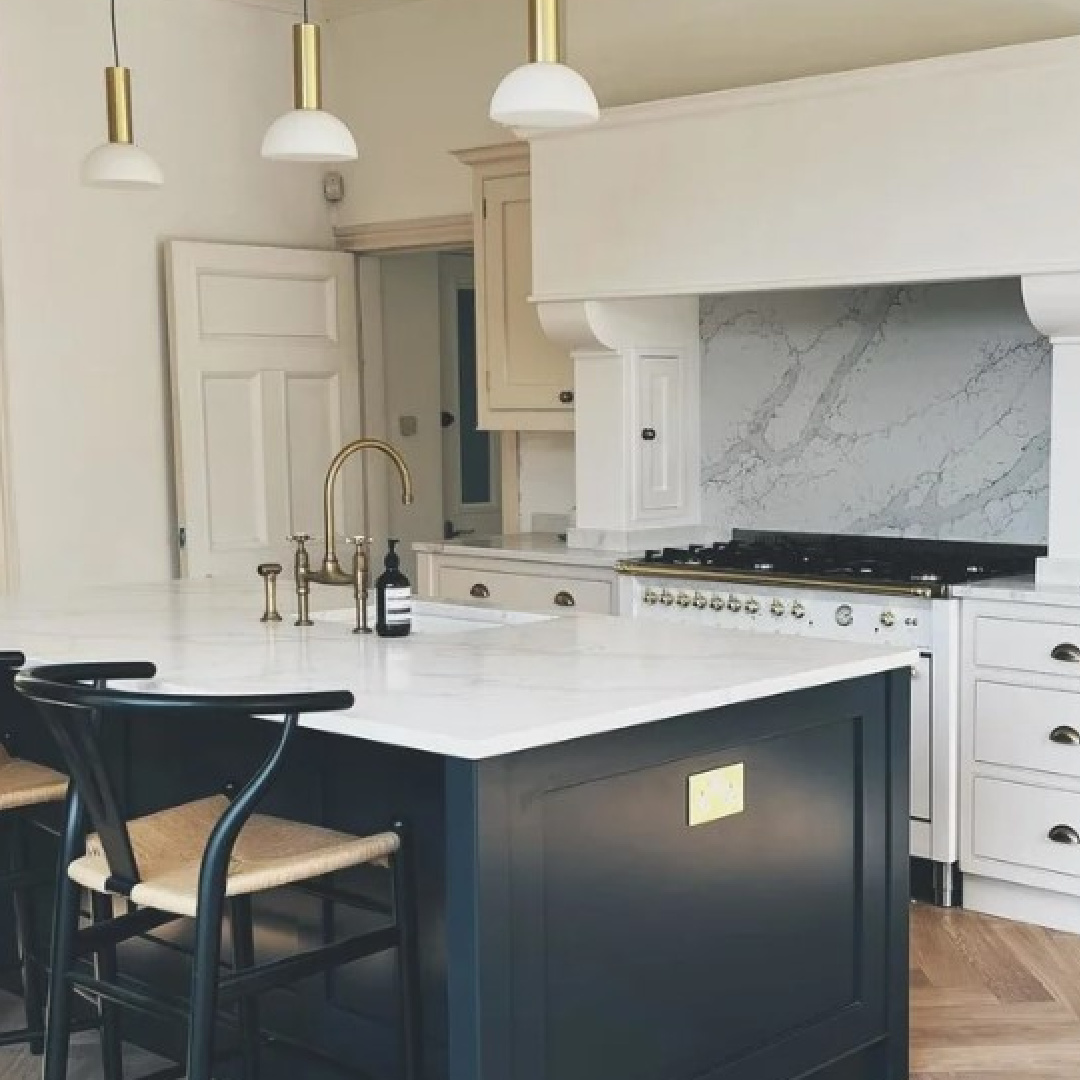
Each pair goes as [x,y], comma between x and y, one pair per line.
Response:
[990,1000]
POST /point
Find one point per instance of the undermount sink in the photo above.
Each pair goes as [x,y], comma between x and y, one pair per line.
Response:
[430,617]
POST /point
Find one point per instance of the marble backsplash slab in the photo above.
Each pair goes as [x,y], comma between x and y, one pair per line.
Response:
[914,411]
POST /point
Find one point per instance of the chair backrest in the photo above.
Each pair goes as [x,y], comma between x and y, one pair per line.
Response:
[72,700]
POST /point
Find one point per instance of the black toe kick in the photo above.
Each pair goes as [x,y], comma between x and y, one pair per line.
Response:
[940,884]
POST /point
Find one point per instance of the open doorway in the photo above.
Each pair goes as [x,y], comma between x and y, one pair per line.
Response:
[418,316]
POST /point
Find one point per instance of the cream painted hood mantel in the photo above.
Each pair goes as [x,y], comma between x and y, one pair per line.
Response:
[959,168]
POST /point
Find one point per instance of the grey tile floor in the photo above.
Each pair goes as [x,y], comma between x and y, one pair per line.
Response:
[18,1064]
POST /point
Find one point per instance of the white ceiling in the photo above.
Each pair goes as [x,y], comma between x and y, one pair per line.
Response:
[636,50]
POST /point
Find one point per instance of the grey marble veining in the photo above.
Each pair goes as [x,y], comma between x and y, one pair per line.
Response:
[916,411]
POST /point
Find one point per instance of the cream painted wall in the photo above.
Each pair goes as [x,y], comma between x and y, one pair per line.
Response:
[83,317]
[546,477]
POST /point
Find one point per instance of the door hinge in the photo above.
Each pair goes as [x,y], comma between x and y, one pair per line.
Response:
[181,535]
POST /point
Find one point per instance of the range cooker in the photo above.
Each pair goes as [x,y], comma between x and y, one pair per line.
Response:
[889,590]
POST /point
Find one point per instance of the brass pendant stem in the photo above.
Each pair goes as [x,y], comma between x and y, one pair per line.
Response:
[545,45]
[307,67]
[118,104]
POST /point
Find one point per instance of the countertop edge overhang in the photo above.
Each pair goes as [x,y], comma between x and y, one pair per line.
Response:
[472,695]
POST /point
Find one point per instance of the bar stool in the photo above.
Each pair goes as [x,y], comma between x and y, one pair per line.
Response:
[24,786]
[191,861]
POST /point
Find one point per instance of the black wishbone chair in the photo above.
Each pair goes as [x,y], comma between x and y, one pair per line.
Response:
[24,786]
[191,861]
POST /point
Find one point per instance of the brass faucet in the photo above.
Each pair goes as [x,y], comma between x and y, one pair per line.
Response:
[330,573]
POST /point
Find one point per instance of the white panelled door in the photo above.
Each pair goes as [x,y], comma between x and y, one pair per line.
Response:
[265,389]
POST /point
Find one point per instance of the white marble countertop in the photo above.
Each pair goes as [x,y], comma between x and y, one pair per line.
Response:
[525,547]
[1021,590]
[472,695]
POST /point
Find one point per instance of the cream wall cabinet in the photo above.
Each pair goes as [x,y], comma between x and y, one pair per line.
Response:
[1020,732]
[525,382]
[516,584]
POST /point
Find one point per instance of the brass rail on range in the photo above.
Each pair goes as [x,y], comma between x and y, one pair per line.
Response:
[763,580]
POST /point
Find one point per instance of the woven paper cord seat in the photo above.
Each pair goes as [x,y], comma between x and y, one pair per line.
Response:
[22,783]
[269,853]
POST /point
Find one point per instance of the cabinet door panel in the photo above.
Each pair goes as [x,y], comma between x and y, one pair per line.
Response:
[661,437]
[525,369]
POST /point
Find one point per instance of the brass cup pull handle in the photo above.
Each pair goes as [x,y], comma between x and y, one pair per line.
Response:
[566,397]
[480,591]
[564,599]
[648,434]
[1066,653]
[1064,834]
[1065,736]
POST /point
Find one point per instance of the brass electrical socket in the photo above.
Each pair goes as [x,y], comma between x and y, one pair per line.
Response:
[716,794]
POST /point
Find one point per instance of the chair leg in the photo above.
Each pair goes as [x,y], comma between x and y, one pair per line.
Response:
[204,988]
[65,927]
[243,934]
[25,933]
[112,1059]
[412,1065]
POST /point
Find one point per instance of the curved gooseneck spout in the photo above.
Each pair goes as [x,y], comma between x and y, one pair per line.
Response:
[331,573]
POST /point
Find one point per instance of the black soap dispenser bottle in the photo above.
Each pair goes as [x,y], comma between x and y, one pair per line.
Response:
[393,597]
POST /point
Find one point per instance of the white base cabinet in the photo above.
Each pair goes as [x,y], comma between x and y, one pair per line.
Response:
[1020,739]
[518,584]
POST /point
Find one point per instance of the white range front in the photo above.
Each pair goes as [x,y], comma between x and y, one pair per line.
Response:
[929,625]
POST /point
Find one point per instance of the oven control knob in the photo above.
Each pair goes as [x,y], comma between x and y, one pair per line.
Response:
[798,611]
[777,608]
[667,598]
[650,597]
[752,607]
[684,599]
[717,602]
[701,601]
[887,619]
[734,603]
[845,615]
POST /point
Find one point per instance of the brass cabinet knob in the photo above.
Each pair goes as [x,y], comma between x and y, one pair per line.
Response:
[1066,653]
[1065,736]
[648,434]
[480,591]
[564,599]
[567,397]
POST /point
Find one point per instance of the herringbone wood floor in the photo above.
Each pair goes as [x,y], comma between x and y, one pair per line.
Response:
[990,1000]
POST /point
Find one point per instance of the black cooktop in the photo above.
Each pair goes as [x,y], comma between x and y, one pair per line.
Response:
[926,566]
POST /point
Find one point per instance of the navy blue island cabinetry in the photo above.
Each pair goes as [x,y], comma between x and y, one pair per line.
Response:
[574,925]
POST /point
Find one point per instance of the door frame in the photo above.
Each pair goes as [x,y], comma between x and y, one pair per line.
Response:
[368,244]
[9,575]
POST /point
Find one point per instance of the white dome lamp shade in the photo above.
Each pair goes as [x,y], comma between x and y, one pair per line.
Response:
[545,93]
[308,132]
[119,163]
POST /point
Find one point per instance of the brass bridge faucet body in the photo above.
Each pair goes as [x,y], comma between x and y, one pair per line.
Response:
[330,572]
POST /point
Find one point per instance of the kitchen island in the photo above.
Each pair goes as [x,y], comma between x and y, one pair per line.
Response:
[643,853]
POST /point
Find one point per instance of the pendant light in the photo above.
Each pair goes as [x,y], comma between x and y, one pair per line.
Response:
[308,133]
[119,163]
[544,93]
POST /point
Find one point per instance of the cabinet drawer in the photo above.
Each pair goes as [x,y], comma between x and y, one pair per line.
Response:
[1012,823]
[1046,647]
[534,592]
[1028,728]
